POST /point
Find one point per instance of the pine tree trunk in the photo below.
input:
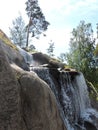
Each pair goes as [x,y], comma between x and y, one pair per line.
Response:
[28,32]
[27,36]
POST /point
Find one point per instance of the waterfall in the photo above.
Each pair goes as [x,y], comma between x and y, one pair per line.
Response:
[27,56]
[82,93]
[45,75]
[71,93]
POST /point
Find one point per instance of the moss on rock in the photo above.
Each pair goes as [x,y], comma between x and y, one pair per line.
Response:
[6,40]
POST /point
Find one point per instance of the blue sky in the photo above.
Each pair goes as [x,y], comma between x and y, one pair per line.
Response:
[70,12]
[63,15]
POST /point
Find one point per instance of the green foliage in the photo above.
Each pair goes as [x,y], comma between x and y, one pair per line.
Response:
[81,54]
[96,51]
[93,92]
[18,33]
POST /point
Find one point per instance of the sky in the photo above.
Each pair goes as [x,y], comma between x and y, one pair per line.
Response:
[63,16]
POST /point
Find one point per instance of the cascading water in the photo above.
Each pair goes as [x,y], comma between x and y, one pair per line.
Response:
[71,93]
[72,97]
[45,75]
[27,56]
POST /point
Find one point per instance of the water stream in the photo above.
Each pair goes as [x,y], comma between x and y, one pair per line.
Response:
[71,93]
[72,98]
[27,56]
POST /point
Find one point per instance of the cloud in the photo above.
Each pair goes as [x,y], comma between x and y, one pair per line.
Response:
[9,10]
[69,6]
[68,11]
[83,5]
[52,4]
[60,37]
[63,15]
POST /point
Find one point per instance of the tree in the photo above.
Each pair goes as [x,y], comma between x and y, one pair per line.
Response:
[32,48]
[97,29]
[62,57]
[50,50]
[96,55]
[96,48]
[82,46]
[37,23]
[18,32]
[96,51]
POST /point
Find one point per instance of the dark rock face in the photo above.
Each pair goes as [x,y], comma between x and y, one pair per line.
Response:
[94,103]
[89,126]
[40,58]
[26,102]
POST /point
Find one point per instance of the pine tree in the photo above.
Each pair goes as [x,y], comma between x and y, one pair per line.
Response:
[18,32]
[37,23]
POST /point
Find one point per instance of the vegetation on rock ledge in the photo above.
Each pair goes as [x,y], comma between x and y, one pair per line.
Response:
[6,40]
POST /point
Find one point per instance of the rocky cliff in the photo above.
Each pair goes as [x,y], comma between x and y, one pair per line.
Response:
[38,93]
[26,101]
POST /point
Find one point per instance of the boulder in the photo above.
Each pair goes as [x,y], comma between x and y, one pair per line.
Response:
[26,101]
[38,103]
[43,59]
[10,116]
